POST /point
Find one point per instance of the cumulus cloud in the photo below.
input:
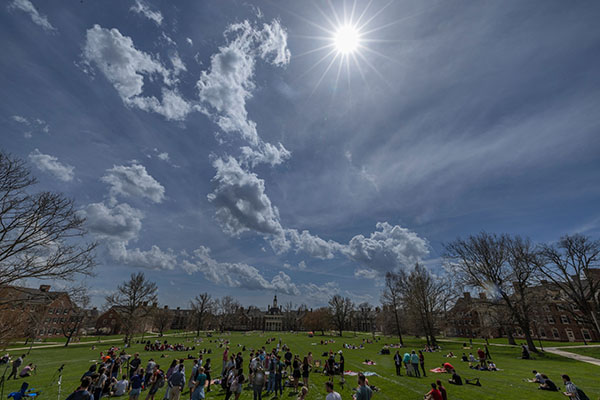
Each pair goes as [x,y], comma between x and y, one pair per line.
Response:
[225,88]
[237,274]
[388,248]
[125,67]
[118,223]
[241,201]
[50,164]
[164,156]
[37,18]
[140,7]
[155,258]
[133,180]
[312,245]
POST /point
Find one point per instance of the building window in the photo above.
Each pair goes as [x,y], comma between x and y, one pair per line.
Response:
[555,333]
[586,334]
[66,311]
[570,334]
[551,319]
[564,319]
[546,309]
[50,311]
[542,332]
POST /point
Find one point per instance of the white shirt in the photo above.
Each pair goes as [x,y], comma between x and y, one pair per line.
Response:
[121,387]
[333,396]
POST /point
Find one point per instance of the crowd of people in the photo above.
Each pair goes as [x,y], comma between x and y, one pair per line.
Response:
[267,372]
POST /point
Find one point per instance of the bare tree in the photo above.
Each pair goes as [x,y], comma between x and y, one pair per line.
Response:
[38,232]
[71,326]
[501,264]
[227,307]
[391,300]
[422,296]
[202,306]
[572,266]
[340,309]
[132,299]
[162,320]
[289,316]
[317,320]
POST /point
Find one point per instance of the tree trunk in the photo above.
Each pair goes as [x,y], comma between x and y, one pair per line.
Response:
[68,340]
[511,338]
[530,342]
[398,326]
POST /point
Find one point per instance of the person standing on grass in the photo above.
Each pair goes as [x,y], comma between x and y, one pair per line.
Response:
[199,383]
[296,374]
[136,384]
[398,363]
[422,362]
[331,394]
[15,367]
[225,360]
[342,365]
[363,392]
[149,371]
[99,383]
[176,383]
[192,380]
[134,365]
[207,372]
[279,376]
[407,365]
[258,382]
[414,361]
[272,369]
[571,390]
[82,392]
[170,371]
[305,371]
[442,390]
[481,355]
[157,380]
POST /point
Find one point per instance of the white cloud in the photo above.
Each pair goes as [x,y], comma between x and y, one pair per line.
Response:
[119,223]
[264,153]
[190,41]
[319,294]
[389,248]
[228,84]
[126,67]
[178,65]
[366,273]
[241,201]
[163,156]
[155,258]
[50,164]
[35,124]
[312,245]
[28,7]
[133,180]
[140,7]
[237,274]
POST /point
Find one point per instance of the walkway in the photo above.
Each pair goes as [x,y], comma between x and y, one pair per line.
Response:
[554,350]
[88,342]
[574,356]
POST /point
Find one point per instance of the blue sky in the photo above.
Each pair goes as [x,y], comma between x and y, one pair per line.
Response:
[231,149]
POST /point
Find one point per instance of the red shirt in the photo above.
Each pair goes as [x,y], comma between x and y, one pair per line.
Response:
[481,353]
[443,392]
[435,394]
[448,366]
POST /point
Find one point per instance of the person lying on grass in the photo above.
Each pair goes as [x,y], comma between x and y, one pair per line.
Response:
[537,377]
[548,384]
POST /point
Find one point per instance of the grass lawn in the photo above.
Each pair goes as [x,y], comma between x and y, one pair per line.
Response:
[506,384]
[586,351]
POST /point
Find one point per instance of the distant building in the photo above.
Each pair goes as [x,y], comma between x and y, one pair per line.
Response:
[273,318]
[41,312]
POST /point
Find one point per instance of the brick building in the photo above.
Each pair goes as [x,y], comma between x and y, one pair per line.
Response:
[39,312]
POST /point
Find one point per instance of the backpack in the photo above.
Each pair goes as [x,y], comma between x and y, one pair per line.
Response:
[161,380]
[582,395]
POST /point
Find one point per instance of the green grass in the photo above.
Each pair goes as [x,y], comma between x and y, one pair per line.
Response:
[586,351]
[506,384]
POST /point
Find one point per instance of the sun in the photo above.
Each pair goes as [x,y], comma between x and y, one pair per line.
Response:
[346,39]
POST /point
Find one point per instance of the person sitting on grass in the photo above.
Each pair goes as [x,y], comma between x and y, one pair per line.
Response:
[491,366]
[120,387]
[548,384]
[442,390]
[27,371]
[525,353]
[464,358]
[472,358]
[82,392]
[433,394]
[448,367]
[537,377]
[456,379]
